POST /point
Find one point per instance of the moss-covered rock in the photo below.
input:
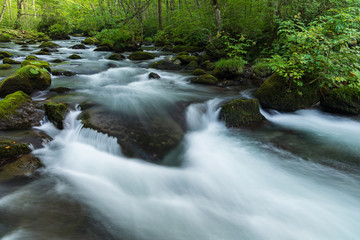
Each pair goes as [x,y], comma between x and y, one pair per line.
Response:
[43,53]
[31,57]
[10,150]
[342,100]
[185,59]
[116,57]
[104,48]
[56,113]
[4,37]
[90,41]
[198,72]
[60,72]
[10,61]
[165,65]
[17,111]
[79,46]
[239,113]
[38,63]
[183,53]
[22,166]
[48,45]
[5,66]
[160,42]
[216,49]
[208,65]
[276,93]
[189,49]
[139,55]
[27,79]
[74,56]
[206,79]
[192,65]
[4,54]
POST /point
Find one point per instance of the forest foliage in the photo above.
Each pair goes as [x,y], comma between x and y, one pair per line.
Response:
[295,38]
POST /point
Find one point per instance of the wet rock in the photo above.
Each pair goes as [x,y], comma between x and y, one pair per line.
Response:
[56,113]
[28,79]
[149,141]
[104,48]
[58,60]
[275,93]
[31,57]
[74,56]
[49,50]
[153,75]
[189,49]
[90,41]
[38,63]
[17,111]
[42,53]
[10,150]
[185,59]
[139,55]
[239,113]
[10,61]
[206,79]
[208,65]
[60,90]
[60,72]
[165,65]
[48,45]
[79,46]
[192,65]
[116,57]
[342,100]
[198,72]
[4,54]
[5,66]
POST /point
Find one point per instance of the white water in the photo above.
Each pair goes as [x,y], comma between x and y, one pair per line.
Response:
[228,187]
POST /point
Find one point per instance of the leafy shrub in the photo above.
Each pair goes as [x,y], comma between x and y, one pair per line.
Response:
[233,65]
[114,36]
[262,68]
[59,30]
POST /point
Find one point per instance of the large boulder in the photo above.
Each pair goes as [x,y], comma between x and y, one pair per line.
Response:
[56,113]
[17,111]
[239,113]
[140,55]
[342,100]
[276,93]
[149,140]
[206,79]
[38,63]
[28,79]
[165,65]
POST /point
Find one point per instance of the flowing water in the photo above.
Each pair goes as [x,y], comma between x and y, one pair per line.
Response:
[296,177]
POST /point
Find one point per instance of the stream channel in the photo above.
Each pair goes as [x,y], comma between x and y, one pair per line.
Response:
[295,177]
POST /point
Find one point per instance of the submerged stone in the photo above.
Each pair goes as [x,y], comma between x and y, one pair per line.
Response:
[139,55]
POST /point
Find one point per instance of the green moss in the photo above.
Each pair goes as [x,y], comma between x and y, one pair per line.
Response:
[38,63]
[56,113]
[189,49]
[74,56]
[31,57]
[208,65]
[49,45]
[198,72]
[4,37]
[165,65]
[12,102]
[5,66]
[27,79]
[22,166]
[183,53]
[192,65]
[11,149]
[10,61]
[5,54]
[185,59]
[139,55]
[262,69]
[238,113]
[90,41]
[207,79]
[343,100]
[276,93]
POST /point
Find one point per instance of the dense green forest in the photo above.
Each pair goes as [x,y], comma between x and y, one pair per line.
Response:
[305,41]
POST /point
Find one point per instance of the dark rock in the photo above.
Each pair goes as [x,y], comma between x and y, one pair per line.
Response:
[17,111]
[185,59]
[154,75]
[60,90]
[27,79]
[60,72]
[58,60]
[342,100]
[139,55]
[276,93]
[31,57]
[10,61]
[74,56]
[198,72]
[192,65]
[239,113]
[56,113]
[165,65]
[116,57]
[48,45]
[42,53]
[49,50]
[206,79]
[5,66]
[4,54]
[190,49]
[104,48]
[79,46]
[10,150]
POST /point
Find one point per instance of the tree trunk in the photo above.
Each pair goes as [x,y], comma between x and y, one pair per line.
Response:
[3,11]
[217,14]
[160,17]
[34,7]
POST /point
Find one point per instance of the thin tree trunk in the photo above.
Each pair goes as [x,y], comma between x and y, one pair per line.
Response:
[3,11]
[160,17]
[34,7]
[217,14]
